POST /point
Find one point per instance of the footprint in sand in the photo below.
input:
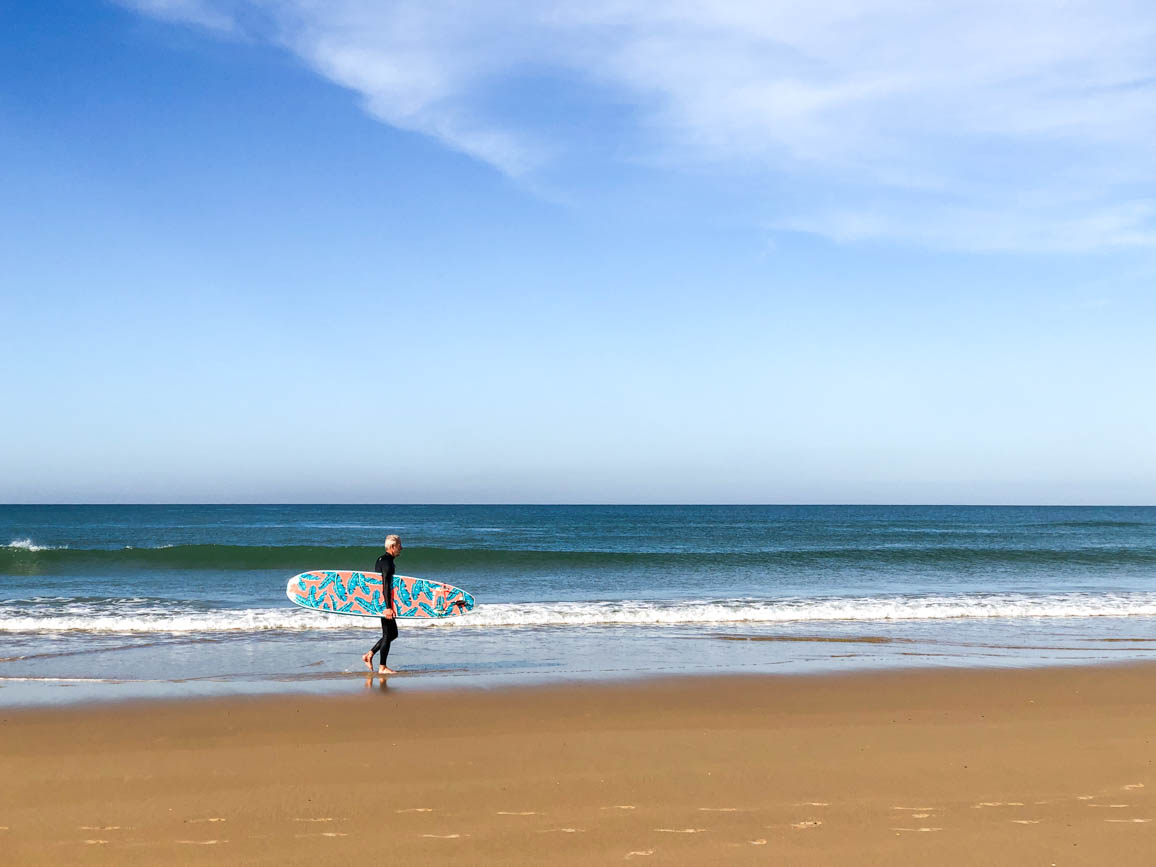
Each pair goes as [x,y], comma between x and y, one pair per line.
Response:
[917,830]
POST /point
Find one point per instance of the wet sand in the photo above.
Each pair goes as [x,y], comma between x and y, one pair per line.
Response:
[911,768]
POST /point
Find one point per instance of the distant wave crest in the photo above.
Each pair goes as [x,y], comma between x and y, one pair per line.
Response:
[30,546]
[23,557]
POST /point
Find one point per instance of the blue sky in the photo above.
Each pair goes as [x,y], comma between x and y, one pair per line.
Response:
[281,250]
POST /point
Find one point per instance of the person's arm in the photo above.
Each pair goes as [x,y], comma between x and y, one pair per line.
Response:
[387,585]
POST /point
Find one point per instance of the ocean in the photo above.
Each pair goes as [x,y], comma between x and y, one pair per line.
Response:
[124,602]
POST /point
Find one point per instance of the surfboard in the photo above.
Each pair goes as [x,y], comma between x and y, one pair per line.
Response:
[358,594]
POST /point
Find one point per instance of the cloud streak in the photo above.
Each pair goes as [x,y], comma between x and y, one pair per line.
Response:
[966,124]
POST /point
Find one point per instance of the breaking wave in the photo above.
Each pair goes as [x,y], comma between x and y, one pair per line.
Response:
[148,616]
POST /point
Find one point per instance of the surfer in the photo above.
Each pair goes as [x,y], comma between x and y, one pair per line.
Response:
[389,621]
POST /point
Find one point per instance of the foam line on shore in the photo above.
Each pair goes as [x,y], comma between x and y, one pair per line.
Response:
[90,616]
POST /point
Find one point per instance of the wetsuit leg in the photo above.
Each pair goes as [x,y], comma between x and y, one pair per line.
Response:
[388,634]
[376,647]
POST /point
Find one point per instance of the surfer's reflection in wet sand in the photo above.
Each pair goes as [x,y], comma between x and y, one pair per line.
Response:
[389,621]
[383,684]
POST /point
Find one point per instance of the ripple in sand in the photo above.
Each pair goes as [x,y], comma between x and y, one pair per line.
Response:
[201,842]
[1110,806]
[620,807]
[443,836]
[563,831]
[718,809]
[1026,821]
[415,810]
[94,842]
[199,821]
[1129,821]
[318,819]
[639,853]
[680,830]
[103,828]
[514,813]
[1134,786]
[759,842]
[808,823]
[997,804]
[822,804]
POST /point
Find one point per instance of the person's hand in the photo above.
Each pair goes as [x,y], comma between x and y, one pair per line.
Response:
[390,614]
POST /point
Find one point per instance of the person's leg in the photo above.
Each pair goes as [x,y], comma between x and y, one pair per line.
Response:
[389,628]
[368,658]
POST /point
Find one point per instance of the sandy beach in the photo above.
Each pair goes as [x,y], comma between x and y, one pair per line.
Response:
[946,767]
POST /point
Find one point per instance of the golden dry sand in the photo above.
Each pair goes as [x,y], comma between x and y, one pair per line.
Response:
[930,768]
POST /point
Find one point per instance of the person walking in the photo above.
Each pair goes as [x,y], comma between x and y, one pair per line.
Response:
[389,621]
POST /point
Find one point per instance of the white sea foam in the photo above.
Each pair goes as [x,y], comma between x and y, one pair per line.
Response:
[29,545]
[106,618]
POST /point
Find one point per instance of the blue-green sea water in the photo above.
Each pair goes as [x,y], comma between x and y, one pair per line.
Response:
[108,602]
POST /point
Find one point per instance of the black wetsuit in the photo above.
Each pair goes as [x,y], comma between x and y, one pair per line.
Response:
[388,624]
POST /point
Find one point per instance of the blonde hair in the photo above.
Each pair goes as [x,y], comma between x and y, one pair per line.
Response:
[391,540]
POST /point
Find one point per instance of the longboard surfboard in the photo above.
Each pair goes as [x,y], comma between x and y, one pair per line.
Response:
[358,594]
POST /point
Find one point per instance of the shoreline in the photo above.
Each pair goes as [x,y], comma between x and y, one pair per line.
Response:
[86,669]
[409,688]
[961,766]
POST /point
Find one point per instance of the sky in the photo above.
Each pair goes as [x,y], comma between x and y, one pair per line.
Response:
[610,251]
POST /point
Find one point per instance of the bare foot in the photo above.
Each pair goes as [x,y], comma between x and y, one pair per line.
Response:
[384,670]
[368,660]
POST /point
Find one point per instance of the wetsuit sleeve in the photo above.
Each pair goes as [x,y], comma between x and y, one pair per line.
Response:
[386,568]
[387,581]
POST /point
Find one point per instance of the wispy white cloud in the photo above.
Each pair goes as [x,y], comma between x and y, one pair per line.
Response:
[972,124]
[204,13]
